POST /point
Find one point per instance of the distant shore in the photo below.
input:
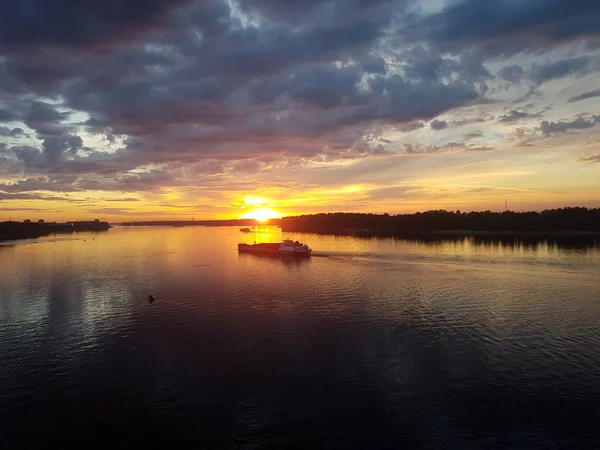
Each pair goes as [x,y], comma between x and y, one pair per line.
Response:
[295,227]
[445,233]
[13,231]
[555,223]
[192,223]
[564,223]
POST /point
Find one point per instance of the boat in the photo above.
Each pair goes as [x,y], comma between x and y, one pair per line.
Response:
[245,230]
[286,247]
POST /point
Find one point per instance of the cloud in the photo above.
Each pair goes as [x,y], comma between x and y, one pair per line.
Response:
[321,11]
[548,71]
[473,135]
[126,199]
[504,26]
[438,124]
[590,159]
[135,96]
[195,84]
[423,149]
[515,116]
[584,96]
[113,211]
[6,116]
[562,127]
[558,69]
[11,132]
[469,121]
[152,180]
[410,127]
[524,137]
[12,208]
[513,74]
[54,147]
[77,24]
[40,114]
[128,212]
[9,196]
[52,183]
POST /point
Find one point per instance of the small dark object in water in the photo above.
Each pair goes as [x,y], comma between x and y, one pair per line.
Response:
[151,299]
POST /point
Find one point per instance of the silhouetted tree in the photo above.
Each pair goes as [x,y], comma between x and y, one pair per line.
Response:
[562,219]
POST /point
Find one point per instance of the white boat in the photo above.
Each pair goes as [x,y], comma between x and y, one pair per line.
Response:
[290,246]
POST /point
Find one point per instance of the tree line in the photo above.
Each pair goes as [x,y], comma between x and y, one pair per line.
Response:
[551,220]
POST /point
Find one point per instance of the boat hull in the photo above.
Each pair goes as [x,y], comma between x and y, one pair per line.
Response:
[272,249]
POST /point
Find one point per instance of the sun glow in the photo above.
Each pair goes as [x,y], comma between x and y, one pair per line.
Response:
[256,201]
[262,214]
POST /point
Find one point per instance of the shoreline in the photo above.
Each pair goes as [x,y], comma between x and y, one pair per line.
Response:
[16,231]
[447,233]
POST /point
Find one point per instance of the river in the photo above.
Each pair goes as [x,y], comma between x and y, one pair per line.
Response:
[370,343]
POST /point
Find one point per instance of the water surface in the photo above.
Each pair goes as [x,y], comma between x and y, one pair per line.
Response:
[370,343]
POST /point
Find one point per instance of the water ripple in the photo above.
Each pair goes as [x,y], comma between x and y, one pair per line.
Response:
[399,343]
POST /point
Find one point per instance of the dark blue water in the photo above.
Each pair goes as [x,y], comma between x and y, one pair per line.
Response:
[371,343]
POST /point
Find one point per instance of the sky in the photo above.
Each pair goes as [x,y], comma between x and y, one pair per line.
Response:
[211,109]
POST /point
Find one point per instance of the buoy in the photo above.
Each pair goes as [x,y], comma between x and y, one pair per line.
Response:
[151,299]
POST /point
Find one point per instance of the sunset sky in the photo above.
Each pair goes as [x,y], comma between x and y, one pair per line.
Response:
[152,109]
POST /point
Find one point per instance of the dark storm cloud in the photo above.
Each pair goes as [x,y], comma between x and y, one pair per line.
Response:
[57,138]
[585,96]
[542,73]
[408,100]
[11,132]
[292,10]
[33,161]
[513,74]
[52,183]
[179,82]
[299,11]
[41,113]
[422,63]
[76,23]
[438,124]
[505,26]
[253,67]
[201,85]
[562,68]
[562,127]
[325,87]
[407,128]
[7,116]
[128,182]
[54,147]
[26,154]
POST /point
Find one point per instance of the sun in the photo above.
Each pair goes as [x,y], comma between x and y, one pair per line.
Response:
[262,214]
